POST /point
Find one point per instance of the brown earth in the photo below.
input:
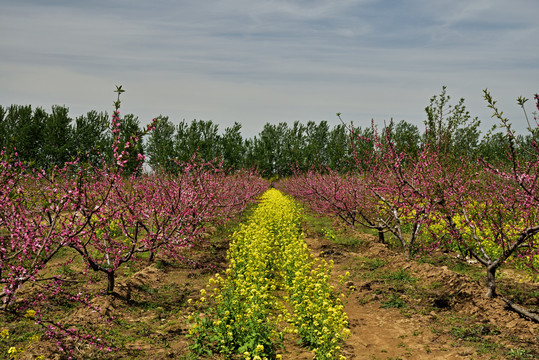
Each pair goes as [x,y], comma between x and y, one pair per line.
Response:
[444,314]
[397,309]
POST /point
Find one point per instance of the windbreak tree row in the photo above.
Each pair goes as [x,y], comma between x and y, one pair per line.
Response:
[43,140]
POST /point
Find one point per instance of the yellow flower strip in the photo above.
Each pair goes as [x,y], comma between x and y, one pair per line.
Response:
[269,256]
[318,312]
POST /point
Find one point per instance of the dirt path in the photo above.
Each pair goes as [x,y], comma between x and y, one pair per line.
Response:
[429,323]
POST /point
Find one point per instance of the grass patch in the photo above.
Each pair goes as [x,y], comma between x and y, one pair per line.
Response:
[400,275]
[520,293]
[369,264]
[394,301]
[473,332]
[318,226]
[519,353]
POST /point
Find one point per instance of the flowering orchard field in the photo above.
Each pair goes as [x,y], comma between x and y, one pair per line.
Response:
[107,222]
[433,200]
[106,219]
[89,249]
[480,213]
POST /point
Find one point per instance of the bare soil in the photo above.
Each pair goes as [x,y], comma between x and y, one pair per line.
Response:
[397,308]
[436,314]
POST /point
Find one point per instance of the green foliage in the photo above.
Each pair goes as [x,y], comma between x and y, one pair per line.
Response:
[268,150]
[130,130]
[473,332]
[338,149]
[394,301]
[401,275]
[45,140]
[406,137]
[233,148]
[316,152]
[520,353]
[202,138]
[57,139]
[22,130]
[493,148]
[91,137]
[372,264]
[450,128]
[160,147]
[330,234]
[171,145]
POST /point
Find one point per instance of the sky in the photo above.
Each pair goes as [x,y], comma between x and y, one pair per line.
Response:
[270,61]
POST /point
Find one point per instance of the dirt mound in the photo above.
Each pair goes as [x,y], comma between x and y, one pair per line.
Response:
[466,296]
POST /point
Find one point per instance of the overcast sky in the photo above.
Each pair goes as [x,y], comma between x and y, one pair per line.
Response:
[259,61]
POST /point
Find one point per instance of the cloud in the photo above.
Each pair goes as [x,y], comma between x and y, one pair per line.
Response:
[268,61]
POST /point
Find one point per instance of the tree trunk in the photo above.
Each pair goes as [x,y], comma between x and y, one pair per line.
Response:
[110,278]
[491,281]
[408,251]
[381,237]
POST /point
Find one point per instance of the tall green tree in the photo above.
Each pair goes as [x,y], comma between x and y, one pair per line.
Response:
[91,137]
[293,147]
[249,157]
[23,130]
[203,138]
[160,147]
[362,146]
[338,148]
[181,142]
[4,135]
[232,148]
[406,137]
[450,128]
[200,138]
[267,148]
[57,145]
[317,140]
[493,148]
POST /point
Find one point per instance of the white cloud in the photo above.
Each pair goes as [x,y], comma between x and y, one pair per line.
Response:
[259,61]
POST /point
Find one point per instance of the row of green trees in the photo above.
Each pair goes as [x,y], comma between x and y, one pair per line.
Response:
[46,140]
[276,150]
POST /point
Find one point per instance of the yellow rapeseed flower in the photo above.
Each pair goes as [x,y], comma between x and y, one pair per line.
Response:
[30,314]
[269,252]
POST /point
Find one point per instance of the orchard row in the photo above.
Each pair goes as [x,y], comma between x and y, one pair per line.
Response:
[432,200]
[107,217]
